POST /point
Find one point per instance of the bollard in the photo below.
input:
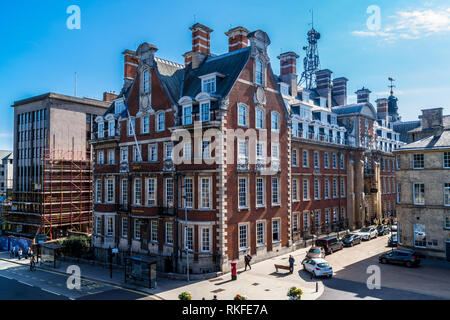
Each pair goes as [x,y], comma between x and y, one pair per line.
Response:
[317,287]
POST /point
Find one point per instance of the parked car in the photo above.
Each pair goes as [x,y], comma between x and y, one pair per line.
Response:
[382,230]
[368,233]
[394,227]
[318,267]
[315,252]
[392,242]
[349,240]
[330,244]
[404,257]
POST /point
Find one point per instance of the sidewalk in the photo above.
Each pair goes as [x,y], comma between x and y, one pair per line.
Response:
[259,283]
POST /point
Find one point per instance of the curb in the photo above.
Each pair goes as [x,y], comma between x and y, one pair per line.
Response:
[89,278]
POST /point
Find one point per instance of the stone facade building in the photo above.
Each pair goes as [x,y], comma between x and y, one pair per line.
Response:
[423,186]
[6,172]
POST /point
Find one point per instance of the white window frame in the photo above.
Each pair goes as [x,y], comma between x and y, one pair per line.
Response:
[260,194]
[203,232]
[415,196]
[244,117]
[202,196]
[202,113]
[145,124]
[305,188]
[150,148]
[154,233]
[209,84]
[446,189]
[278,224]
[259,111]
[111,156]
[190,195]
[160,124]
[415,167]
[276,193]
[275,116]
[137,197]
[187,117]
[260,233]
[169,238]
[124,227]
[98,191]
[240,234]
[109,230]
[243,192]
[109,190]
[151,199]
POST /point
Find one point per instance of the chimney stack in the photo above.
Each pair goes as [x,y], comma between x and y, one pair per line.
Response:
[109,96]
[131,63]
[201,45]
[363,95]
[382,109]
[432,119]
[288,70]
[323,81]
[339,91]
[237,38]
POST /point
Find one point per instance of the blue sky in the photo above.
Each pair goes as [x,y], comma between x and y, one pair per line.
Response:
[40,54]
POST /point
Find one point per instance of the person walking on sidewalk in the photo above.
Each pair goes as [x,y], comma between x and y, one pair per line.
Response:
[20,253]
[32,264]
[291,264]
[247,259]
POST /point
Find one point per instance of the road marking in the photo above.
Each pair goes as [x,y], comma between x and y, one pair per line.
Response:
[30,285]
[1,275]
[49,291]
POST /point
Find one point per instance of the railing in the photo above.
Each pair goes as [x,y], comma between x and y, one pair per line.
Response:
[242,165]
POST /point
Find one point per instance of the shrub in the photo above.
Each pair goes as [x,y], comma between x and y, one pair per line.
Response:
[185,296]
[294,293]
[76,246]
[238,297]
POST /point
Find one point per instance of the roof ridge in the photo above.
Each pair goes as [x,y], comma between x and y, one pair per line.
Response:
[169,62]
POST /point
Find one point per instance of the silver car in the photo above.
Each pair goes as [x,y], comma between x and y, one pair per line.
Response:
[368,233]
[318,267]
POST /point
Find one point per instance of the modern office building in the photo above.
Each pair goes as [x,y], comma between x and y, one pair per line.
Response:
[6,172]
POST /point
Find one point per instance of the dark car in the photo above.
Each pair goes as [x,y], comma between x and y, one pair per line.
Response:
[330,244]
[349,240]
[403,257]
[392,242]
[382,230]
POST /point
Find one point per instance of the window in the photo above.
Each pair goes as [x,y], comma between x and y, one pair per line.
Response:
[259,72]
[109,226]
[260,233]
[305,158]
[342,214]
[98,225]
[295,222]
[446,194]
[275,121]
[189,238]
[275,151]
[327,189]
[188,192]
[205,112]
[342,161]
[98,193]
[342,188]
[206,239]
[305,190]
[334,161]
[335,215]
[242,192]
[145,124]
[326,160]
[242,149]
[420,236]
[399,192]
[205,198]
[137,155]
[447,160]
[137,191]
[259,119]
[109,190]
[205,150]
[209,85]
[447,222]
[259,192]
[101,158]
[187,150]
[119,106]
[169,192]
[305,220]
[317,219]
[110,156]
[124,227]
[327,216]
[101,130]
[124,154]
[169,232]
[316,189]
[124,192]
[243,236]
[160,121]
[146,81]
[316,160]
[418,161]
[294,157]
[131,127]
[419,193]
[137,229]
[294,190]
[111,128]
[275,230]
[153,152]
[168,151]
[335,194]
[259,150]
[187,115]
[275,191]
[242,116]
[154,230]
[151,192]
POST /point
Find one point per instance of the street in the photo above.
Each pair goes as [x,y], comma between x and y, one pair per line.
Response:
[17,282]
[431,280]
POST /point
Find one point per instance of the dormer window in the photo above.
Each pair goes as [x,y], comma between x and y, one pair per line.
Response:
[101,130]
[146,81]
[259,72]
[187,115]
[119,106]
[209,84]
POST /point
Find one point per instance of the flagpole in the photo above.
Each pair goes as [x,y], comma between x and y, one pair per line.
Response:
[134,135]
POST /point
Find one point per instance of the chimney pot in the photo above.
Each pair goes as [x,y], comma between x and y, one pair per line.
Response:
[339,91]
[201,37]
[288,70]
[363,95]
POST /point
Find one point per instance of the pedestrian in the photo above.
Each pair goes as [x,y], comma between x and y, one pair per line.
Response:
[29,252]
[291,264]
[32,264]
[247,259]
[203,298]
[13,252]
[215,297]
[20,253]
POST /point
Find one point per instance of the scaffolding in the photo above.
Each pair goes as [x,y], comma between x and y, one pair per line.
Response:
[61,201]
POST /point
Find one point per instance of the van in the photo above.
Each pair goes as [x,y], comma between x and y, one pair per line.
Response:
[330,244]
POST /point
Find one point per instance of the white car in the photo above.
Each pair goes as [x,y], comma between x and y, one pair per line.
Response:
[368,233]
[318,267]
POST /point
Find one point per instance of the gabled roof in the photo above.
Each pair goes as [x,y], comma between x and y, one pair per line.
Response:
[433,142]
[363,108]
[229,64]
[171,77]
[5,154]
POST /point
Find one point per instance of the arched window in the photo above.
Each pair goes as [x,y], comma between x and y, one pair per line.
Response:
[259,72]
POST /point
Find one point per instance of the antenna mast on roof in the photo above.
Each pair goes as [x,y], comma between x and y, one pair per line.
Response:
[311,62]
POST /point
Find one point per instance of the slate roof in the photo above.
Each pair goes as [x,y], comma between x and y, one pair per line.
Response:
[171,76]
[441,141]
[445,120]
[404,127]
[5,154]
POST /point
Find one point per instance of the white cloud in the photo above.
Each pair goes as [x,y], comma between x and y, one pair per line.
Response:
[412,24]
